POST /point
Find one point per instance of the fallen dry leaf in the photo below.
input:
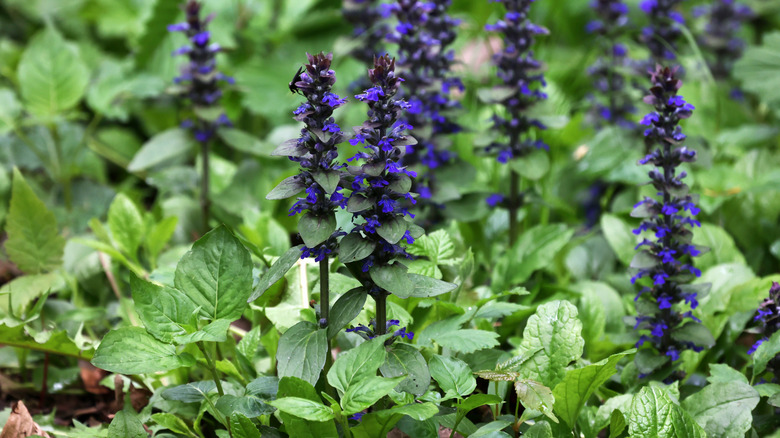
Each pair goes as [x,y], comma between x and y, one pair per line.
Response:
[91,376]
[20,424]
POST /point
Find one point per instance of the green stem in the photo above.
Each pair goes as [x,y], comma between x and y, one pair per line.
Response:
[324,290]
[345,425]
[381,312]
[458,419]
[211,367]
[514,205]
[205,202]
[62,172]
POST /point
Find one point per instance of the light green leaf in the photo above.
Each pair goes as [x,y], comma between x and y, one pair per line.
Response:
[551,341]
[216,331]
[243,427]
[533,251]
[126,425]
[33,243]
[534,395]
[764,353]
[654,414]
[617,424]
[55,342]
[301,353]
[295,387]
[532,166]
[10,109]
[159,236]
[276,271]
[17,294]
[426,287]
[303,408]
[405,360]
[172,423]
[163,310]
[452,375]
[722,248]
[346,309]
[476,400]
[131,350]
[758,69]
[723,409]
[191,392]
[578,385]
[52,77]
[161,148]
[467,340]
[355,364]
[244,142]
[367,391]
[216,275]
[619,236]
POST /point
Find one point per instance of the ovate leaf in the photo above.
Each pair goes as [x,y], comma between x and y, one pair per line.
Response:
[467,340]
[131,350]
[126,424]
[276,271]
[316,229]
[346,308]
[367,391]
[34,243]
[654,414]
[534,395]
[161,148]
[405,360]
[301,353]
[724,409]
[163,310]
[357,363]
[453,375]
[126,224]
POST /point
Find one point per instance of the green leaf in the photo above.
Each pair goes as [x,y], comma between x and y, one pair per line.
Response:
[316,229]
[295,387]
[619,236]
[493,430]
[551,341]
[654,414]
[353,365]
[243,427]
[126,425]
[216,331]
[476,400]
[48,342]
[532,166]
[696,333]
[10,110]
[354,247]
[453,375]
[723,409]
[405,360]
[346,309]
[617,424]
[155,30]
[764,353]
[161,148]
[303,408]
[426,287]
[578,385]
[131,350]
[722,373]
[392,230]
[172,423]
[277,271]
[534,395]
[244,142]
[249,405]
[33,243]
[163,310]
[17,294]
[392,278]
[52,77]
[758,69]
[159,236]
[539,430]
[216,275]
[191,392]
[301,353]
[288,188]
[467,340]
[533,251]
[367,391]
[722,248]
[327,179]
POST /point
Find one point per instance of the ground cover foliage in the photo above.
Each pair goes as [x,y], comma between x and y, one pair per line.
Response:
[367,218]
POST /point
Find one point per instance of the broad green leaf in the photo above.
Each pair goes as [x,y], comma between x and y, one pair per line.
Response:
[163,310]
[48,342]
[162,148]
[33,243]
[532,166]
[493,430]
[216,331]
[191,392]
[288,188]
[723,409]
[619,236]
[392,278]
[131,350]
[276,271]
[696,333]
[426,287]
[392,230]
[467,340]
[155,30]
[346,309]
[453,375]
[248,405]
[17,294]
[764,353]
[417,411]
[353,365]
[534,395]
[303,408]
[295,387]
[533,251]
[758,69]
[354,247]
[722,248]
[172,423]
[126,225]
[327,179]
[52,77]
[243,427]
[301,353]
[367,391]
[10,109]
[316,229]
[405,360]
[159,236]
[617,424]
[476,400]
[244,142]
[539,430]
[126,425]
[551,341]
[216,275]
[654,414]
[578,385]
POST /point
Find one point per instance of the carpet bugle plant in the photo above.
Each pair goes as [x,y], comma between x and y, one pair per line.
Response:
[316,151]
[199,81]
[522,79]
[720,37]
[768,318]
[662,33]
[368,19]
[664,263]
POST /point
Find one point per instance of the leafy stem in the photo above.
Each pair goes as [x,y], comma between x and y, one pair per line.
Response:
[381,312]
[211,367]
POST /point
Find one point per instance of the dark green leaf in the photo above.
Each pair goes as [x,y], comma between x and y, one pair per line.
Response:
[392,278]
[392,230]
[191,392]
[243,427]
[617,424]
[405,360]
[358,203]
[346,308]
[161,148]
[249,406]
[277,271]
[533,166]
[327,179]
[301,353]
[289,187]
[316,229]
[354,247]
[126,425]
